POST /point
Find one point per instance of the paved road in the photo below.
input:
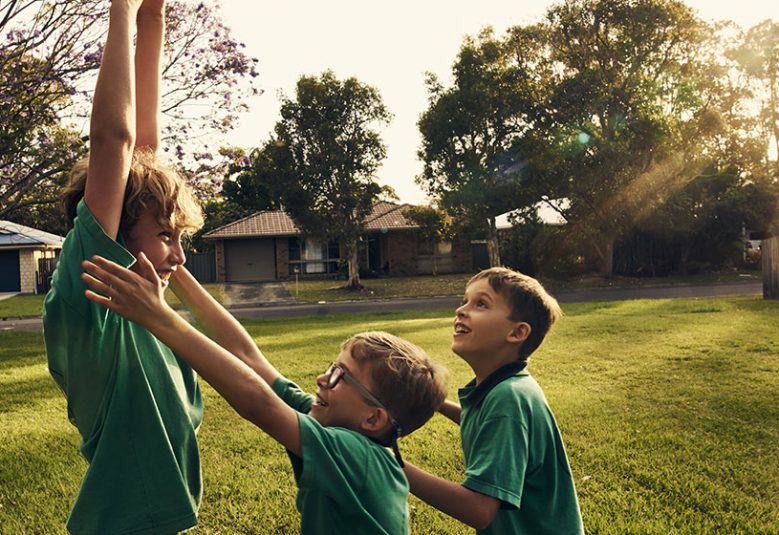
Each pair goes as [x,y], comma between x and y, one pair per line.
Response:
[450,303]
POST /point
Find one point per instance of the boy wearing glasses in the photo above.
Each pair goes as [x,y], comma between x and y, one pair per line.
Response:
[518,479]
[379,388]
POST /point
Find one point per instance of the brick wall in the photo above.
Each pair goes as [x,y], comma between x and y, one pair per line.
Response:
[28,264]
[461,255]
[402,253]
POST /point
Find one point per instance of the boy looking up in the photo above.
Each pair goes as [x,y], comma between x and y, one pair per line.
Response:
[137,406]
[518,479]
[379,388]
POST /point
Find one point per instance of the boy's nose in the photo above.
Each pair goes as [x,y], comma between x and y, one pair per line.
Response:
[178,256]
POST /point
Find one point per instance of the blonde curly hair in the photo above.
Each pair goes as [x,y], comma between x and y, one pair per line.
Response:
[151,185]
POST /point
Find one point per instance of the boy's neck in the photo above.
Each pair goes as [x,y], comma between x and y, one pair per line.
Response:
[484,366]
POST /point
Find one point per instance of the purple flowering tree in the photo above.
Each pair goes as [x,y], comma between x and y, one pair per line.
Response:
[49,55]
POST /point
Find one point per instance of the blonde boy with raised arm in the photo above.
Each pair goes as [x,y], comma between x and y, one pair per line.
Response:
[136,405]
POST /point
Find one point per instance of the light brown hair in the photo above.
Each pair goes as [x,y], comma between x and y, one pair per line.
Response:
[528,301]
[404,377]
[151,185]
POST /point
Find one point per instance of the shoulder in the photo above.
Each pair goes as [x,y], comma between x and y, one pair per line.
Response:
[518,392]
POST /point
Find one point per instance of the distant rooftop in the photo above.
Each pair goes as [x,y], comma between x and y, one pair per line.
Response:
[14,235]
[384,216]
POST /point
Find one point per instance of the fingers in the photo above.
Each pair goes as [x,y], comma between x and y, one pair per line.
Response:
[97,285]
[104,271]
[99,299]
[146,269]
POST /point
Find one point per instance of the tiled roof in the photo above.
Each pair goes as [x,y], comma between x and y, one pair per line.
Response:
[16,235]
[384,217]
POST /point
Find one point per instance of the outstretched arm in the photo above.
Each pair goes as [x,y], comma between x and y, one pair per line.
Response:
[148,69]
[140,299]
[112,126]
[451,410]
[220,325]
[472,508]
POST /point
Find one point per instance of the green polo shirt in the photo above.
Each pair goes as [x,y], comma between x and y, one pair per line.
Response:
[346,482]
[513,452]
[136,405]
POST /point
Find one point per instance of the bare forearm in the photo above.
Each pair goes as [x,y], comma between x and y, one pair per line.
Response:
[220,325]
[465,505]
[451,410]
[229,376]
[113,106]
[148,66]
[112,126]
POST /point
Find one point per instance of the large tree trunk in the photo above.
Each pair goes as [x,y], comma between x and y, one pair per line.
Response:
[354,267]
[493,248]
[771,268]
[606,268]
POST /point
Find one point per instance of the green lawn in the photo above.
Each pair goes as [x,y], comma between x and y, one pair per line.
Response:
[30,306]
[454,284]
[668,409]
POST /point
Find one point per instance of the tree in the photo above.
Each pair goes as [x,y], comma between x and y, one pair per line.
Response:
[434,225]
[635,92]
[48,57]
[326,152]
[470,130]
[759,58]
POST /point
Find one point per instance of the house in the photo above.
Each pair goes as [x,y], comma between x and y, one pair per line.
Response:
[268,246]
[27,258]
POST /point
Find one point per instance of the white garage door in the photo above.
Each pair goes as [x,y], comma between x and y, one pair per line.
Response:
[250,260]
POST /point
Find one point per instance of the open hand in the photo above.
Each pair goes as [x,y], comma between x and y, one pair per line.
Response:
[139,297]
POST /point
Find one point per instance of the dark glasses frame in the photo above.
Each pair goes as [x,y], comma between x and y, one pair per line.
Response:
[335,372]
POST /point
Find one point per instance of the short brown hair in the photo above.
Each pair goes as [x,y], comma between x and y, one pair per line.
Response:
[151,185]
[404,377]
[528,301]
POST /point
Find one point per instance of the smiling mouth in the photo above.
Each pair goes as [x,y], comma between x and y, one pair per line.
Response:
[460,329]
[319,401]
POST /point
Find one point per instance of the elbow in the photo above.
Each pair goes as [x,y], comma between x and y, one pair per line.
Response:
[114,137]
[482,520]
[482,517]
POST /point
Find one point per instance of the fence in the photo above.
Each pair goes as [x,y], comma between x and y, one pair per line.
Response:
[43,275]
[202,266]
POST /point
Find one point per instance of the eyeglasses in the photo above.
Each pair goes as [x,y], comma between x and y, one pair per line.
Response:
[335,372]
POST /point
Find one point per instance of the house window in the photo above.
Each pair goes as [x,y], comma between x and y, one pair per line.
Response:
[308,257]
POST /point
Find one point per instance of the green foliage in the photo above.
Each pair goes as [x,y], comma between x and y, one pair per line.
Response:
[323,159]
[662,437]
[49,52]
[470,129]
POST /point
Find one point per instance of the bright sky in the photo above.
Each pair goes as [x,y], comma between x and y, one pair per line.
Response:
[389,45]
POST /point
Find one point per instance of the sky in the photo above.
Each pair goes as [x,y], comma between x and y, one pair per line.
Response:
[389,45]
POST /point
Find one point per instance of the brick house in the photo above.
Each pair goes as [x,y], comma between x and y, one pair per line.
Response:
[268,246]
[23,252]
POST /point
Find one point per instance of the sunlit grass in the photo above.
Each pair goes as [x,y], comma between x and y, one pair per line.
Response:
[668,409]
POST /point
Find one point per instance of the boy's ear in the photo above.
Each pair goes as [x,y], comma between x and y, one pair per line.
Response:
[377,421]
[519,333]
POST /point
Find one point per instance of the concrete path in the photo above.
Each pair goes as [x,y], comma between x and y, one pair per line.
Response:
[6,295]
[241,307]
[242,295]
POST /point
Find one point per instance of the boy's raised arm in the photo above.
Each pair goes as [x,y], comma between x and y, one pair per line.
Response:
[112,125]
[220,325]
[140,298]
[148,73]
[472,508]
